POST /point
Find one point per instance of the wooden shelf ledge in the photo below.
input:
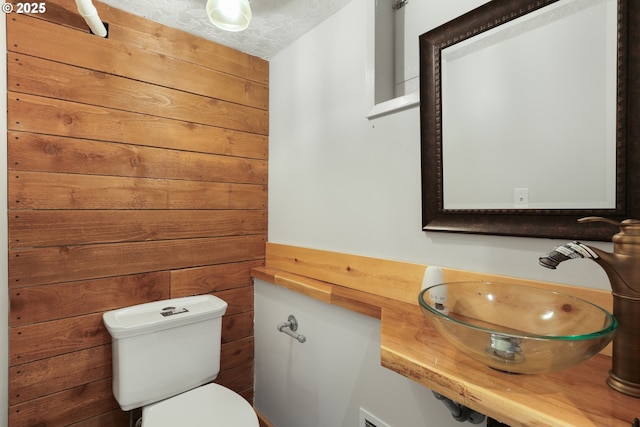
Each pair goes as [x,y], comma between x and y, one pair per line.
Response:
[410,346]
[576,397]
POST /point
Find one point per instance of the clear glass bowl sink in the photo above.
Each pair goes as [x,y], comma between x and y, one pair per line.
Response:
[517,329]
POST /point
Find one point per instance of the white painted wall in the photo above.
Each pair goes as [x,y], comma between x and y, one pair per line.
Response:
[325,381]
[341,182]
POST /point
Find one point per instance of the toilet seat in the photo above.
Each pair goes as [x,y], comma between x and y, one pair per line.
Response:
[211,405]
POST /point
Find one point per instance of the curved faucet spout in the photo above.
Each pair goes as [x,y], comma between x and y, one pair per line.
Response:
[623,271]
[562,253]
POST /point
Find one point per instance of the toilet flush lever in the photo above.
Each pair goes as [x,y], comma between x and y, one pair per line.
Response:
[290,327]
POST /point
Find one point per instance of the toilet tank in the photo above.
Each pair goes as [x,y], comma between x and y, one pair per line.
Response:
[163,348]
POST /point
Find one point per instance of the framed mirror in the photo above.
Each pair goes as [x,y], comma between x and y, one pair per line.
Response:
[530,118]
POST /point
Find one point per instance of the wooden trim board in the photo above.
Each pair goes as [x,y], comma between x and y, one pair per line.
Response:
[397,280]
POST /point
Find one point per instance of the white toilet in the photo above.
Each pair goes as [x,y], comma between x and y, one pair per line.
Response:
[163,353]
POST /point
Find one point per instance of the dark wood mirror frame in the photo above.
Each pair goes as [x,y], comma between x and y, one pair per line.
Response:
[529,222]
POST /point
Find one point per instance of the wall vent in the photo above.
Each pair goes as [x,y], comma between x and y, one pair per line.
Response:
[369,420]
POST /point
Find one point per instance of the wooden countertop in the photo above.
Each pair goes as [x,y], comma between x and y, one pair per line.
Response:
[573,397]
[576,396]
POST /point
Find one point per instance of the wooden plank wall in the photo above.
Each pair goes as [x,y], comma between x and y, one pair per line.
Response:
[137,172]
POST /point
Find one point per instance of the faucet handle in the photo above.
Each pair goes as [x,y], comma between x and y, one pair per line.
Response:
[625,223]
[629,228]
[600,219]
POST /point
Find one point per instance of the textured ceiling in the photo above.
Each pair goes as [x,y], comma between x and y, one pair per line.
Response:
[275,23]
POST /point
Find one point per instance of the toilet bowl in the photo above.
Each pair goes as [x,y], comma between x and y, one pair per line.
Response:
[210,405]
[165,355]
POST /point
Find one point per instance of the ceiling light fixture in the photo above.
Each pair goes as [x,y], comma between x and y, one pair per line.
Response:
[229,15]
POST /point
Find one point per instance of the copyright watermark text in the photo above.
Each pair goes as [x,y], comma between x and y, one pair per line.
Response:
[35,7]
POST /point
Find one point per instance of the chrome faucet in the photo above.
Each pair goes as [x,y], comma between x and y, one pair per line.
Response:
[623,269]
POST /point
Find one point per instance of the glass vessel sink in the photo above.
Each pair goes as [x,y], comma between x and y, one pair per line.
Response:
[517,329]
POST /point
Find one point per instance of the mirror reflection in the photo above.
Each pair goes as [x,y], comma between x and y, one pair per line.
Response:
[529,112]
[582,152]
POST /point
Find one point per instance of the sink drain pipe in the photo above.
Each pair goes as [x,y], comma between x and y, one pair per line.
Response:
[460,412]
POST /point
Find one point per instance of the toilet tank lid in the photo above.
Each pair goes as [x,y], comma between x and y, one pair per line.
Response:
[160,315]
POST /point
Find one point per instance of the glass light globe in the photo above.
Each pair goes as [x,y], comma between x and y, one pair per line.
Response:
[229,15]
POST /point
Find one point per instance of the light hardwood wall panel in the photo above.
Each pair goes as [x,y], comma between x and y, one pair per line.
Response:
[137,172]
[79,120]
[32,74]
[120,57]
